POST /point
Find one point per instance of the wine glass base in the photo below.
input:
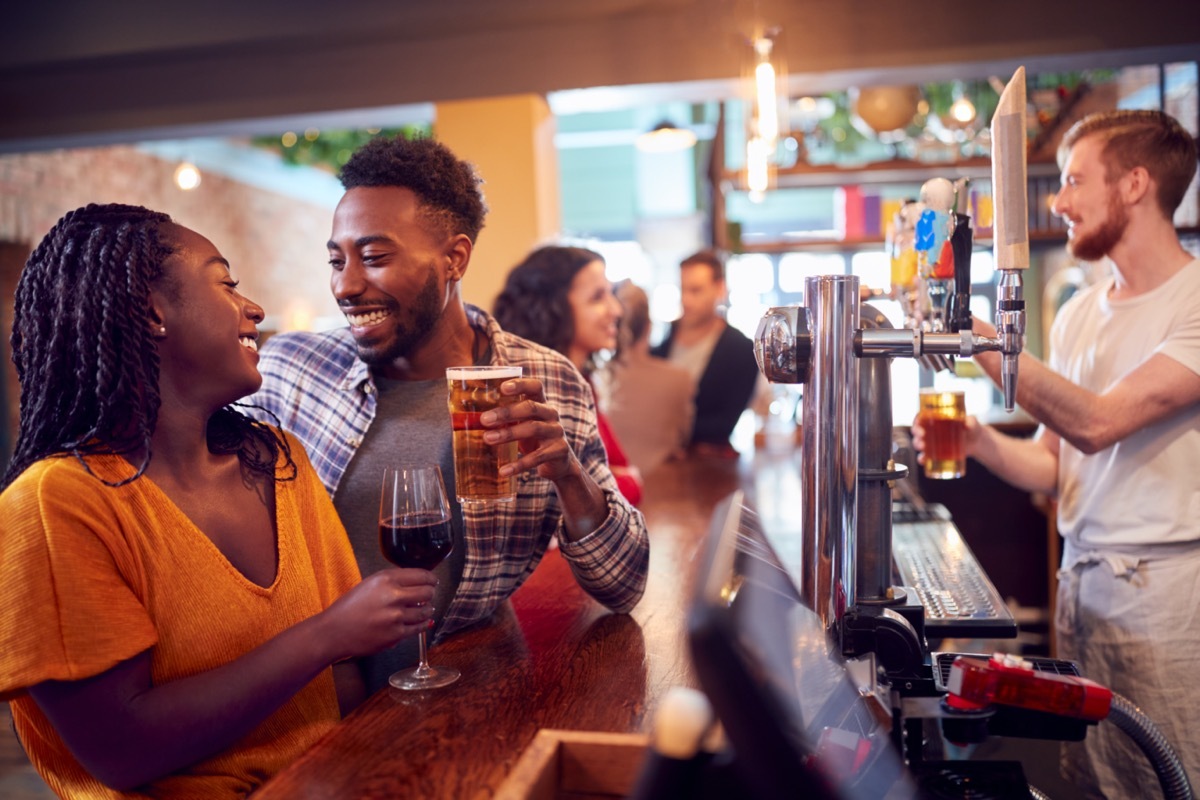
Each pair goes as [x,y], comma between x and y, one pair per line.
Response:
[416,679]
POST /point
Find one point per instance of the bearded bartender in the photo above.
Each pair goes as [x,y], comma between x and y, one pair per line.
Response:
[1119,407]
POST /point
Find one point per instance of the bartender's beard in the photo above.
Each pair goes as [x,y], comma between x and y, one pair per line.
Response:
[1097,245]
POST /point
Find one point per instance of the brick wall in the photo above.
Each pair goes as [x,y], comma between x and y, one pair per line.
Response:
[275,243]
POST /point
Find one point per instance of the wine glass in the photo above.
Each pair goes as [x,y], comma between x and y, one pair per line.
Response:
[415,531]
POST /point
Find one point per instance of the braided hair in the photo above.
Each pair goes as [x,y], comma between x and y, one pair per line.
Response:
[82,346]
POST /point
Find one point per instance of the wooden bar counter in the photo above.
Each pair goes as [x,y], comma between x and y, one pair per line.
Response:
[549,658]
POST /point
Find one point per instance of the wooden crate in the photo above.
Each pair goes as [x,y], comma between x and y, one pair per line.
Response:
[576,765]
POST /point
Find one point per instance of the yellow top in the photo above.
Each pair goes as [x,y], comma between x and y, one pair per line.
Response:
[91,576]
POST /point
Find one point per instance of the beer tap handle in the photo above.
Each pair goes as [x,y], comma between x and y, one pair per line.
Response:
[959,312]
[1011,227]
[934,245]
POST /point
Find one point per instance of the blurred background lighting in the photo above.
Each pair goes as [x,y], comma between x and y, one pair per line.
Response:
[665,138]
[187,177]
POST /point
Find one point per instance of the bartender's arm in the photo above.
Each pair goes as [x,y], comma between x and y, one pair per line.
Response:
[1029,464]
[1091,422]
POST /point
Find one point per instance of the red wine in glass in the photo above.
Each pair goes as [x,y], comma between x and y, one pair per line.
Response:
[415,533]
[419,541]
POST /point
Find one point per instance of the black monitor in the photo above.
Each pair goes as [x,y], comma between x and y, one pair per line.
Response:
[798,725]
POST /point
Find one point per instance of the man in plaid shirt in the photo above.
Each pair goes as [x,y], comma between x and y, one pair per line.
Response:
[374,394]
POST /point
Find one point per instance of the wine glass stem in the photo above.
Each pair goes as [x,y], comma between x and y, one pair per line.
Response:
[423,662]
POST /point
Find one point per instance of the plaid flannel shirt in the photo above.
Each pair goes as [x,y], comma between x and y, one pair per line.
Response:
[323,394]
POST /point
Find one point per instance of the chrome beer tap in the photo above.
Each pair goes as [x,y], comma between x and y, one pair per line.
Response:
[1010,330]
[1011,228]
[1011,243]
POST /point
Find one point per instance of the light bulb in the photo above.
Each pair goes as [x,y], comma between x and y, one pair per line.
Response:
[187,177]
[962,110]
[757,169]
[768,114]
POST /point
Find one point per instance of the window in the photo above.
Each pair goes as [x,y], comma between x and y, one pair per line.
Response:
[794,268]
[750,280]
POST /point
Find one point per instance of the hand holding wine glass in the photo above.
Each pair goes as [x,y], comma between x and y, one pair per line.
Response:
[415,531]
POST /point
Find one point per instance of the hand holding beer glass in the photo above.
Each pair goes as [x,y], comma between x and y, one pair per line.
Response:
[474,390]
[943,418]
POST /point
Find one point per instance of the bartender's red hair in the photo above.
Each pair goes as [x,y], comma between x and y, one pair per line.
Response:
[1140,138]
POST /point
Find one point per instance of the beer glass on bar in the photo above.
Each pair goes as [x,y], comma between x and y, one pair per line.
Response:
[943,416]
[474,390]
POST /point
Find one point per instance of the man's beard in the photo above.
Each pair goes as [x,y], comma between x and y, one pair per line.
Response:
[1096,246]
[697,318]
[425,310]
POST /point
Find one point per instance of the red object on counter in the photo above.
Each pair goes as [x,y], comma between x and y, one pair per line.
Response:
[1006,680]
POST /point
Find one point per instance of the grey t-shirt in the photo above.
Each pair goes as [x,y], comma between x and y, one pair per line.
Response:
[412,424]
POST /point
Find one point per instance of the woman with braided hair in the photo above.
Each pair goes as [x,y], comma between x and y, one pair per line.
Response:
[174,581]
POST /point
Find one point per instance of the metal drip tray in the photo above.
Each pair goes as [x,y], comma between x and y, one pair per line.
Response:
[960,601]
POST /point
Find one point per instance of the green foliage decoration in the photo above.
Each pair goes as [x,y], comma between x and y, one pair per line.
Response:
[329,149]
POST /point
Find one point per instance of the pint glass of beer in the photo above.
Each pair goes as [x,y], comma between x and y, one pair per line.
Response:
[474,390]
[943,415]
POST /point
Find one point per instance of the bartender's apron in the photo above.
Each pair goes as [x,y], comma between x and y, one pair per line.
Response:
[1131,618]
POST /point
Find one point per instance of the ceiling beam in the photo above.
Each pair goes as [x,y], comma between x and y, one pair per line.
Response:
[105,72]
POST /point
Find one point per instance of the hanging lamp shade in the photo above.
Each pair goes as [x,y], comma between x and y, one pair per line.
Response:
[665,137]
[885,109]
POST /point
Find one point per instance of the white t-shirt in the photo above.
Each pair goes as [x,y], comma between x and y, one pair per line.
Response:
[694,357]
[1144,489]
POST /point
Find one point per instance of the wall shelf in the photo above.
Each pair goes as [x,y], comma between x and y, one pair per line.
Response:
[898,170]
[776,247]
[1042,175]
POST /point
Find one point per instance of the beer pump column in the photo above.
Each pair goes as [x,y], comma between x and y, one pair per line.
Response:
[1010,229]
[822,344]
[813,344]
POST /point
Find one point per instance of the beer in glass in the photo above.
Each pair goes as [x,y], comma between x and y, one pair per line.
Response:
[943,416]
[474,390]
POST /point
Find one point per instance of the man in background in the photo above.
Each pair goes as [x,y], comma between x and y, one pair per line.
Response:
[719,357]
[1119,407]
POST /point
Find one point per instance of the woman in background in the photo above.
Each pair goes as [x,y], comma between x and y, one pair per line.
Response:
[174,581]
[648,400]
[560,298]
